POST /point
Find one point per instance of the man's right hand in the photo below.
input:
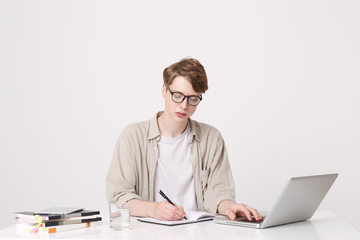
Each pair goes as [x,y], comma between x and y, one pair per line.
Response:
[167,212]
[163,211]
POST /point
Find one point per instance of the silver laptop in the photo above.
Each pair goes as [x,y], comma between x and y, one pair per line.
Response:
[298,202]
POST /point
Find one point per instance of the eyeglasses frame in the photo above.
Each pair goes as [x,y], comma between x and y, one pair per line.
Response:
[184,96]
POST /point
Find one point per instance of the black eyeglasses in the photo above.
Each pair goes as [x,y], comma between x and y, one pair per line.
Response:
[178,97]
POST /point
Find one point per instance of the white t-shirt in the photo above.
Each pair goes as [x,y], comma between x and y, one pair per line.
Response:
[174,175]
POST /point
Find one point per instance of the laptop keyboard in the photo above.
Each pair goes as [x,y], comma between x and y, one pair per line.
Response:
[244,219]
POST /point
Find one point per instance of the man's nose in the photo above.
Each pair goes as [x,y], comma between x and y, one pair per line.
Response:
[184,104]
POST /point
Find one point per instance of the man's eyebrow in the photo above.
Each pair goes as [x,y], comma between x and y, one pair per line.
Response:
[175,91]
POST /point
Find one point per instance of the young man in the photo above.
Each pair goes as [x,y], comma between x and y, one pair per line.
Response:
[184,158]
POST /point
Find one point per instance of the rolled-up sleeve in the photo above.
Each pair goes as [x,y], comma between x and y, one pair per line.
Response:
[121,180]
[219,180]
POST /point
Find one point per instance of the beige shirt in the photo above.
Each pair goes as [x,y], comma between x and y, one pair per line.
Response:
[132,170]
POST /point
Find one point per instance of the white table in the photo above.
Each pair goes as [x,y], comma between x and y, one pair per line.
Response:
[323,226]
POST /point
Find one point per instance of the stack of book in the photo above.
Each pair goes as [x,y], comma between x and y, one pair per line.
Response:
[54,220]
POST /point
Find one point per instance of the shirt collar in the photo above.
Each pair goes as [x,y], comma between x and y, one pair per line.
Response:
[154,132]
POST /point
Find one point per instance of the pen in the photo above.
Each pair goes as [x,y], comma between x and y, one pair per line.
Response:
[168,199]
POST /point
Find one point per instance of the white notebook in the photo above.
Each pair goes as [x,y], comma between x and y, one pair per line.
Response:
[192,217]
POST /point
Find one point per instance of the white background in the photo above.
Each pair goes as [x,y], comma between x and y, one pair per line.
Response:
[284,80]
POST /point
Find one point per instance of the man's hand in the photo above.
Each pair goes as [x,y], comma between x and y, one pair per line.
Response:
[168,212]
[159,210]
[233,209]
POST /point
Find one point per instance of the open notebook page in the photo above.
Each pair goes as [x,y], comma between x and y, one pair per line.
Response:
[192,217]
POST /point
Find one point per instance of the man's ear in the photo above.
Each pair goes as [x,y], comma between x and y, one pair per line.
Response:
[164,89]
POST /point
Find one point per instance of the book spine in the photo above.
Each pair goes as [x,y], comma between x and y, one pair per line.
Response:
[71,221]
[81,214]
[67,227]
[23,228]
[32,217]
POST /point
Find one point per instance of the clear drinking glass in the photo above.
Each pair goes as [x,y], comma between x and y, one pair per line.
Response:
[119,217]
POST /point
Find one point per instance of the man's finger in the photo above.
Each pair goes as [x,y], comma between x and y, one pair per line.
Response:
[247,214]
[256,214]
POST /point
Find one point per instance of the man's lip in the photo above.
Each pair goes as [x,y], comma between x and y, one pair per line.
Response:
[181,114]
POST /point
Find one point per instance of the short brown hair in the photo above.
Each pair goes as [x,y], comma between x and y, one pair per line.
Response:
[189,68]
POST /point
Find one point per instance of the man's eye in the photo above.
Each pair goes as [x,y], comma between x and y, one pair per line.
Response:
[178,96]
[194,99]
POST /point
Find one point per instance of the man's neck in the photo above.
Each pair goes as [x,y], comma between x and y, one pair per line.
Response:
[170,128]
